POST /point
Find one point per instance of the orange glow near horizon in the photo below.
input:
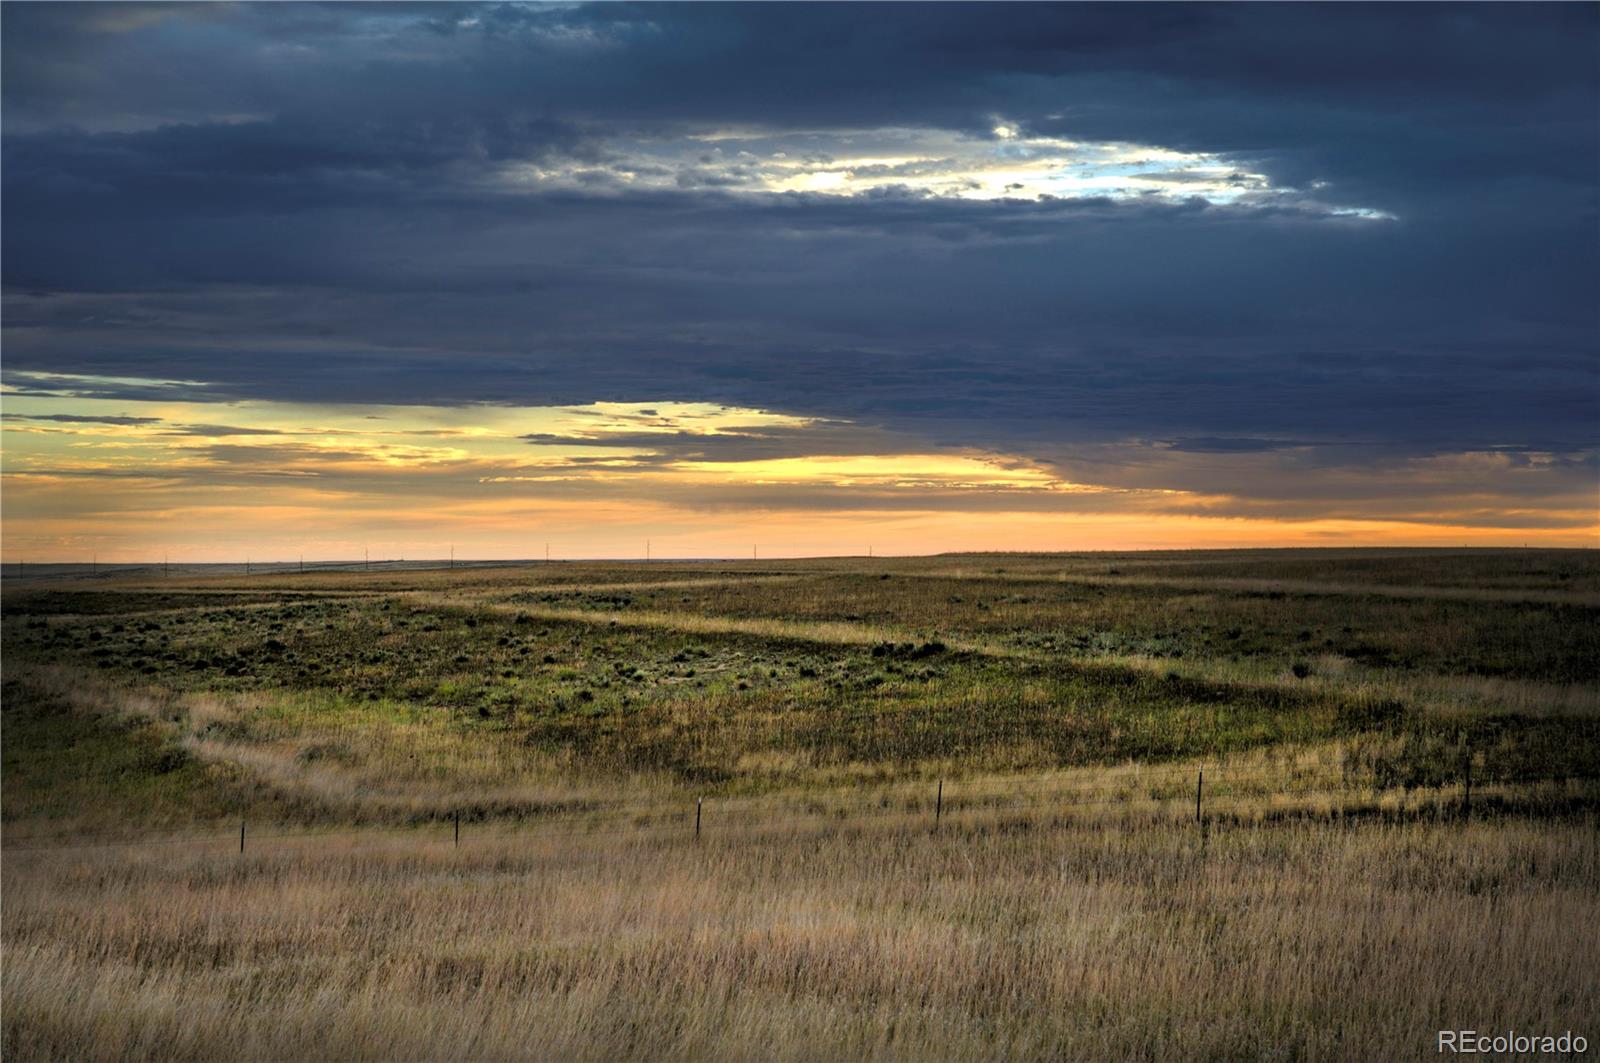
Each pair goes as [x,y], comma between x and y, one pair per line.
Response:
[592,530]
[133,481]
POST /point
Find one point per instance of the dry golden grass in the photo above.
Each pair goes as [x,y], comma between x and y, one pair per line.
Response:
[984,939]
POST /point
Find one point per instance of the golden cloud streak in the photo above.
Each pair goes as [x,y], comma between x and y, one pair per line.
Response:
[214,481]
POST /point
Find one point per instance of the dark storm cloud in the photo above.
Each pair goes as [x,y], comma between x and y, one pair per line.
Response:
[73,418]
[1223,445]
[220,430]
[308,202]
[665,444]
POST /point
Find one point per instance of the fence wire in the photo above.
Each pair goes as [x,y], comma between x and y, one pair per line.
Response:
[929,803]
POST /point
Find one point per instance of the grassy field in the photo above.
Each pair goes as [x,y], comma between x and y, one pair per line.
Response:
[946,805]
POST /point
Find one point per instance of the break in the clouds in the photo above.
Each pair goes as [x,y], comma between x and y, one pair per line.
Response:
[1299,267]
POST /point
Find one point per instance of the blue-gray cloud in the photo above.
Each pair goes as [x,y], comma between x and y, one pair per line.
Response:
[309,202]
[74,418]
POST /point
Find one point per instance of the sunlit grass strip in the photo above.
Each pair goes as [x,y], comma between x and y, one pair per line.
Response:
[839,633]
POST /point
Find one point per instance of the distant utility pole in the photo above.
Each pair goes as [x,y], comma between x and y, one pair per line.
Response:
[752,551]
[302,562]
[647,549]
[366,560]
[247,566]
[869,551]
[547,553]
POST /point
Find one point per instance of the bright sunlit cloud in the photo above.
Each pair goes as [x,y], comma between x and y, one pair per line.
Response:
[1009,164]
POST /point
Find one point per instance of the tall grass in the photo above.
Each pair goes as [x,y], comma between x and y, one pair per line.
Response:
[889,940]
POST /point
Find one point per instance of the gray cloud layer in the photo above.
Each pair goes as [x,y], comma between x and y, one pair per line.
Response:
[306,202]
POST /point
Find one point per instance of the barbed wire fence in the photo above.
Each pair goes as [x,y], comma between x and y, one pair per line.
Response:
[1205,798]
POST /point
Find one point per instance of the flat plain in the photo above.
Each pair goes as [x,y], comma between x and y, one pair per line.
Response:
[1303,804]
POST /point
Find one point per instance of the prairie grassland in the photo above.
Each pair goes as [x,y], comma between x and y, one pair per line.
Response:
[1338,903]
[983,939]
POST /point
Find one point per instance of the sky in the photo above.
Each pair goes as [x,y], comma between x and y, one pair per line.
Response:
[310,280]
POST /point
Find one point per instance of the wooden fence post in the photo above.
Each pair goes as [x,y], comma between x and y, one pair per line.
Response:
[697,802]
[1199,785]
[938,804]
[458,828]
[241,835]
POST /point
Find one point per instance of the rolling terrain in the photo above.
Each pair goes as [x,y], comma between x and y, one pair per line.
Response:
[948,806]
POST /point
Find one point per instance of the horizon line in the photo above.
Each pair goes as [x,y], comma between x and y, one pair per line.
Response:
[17,565]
